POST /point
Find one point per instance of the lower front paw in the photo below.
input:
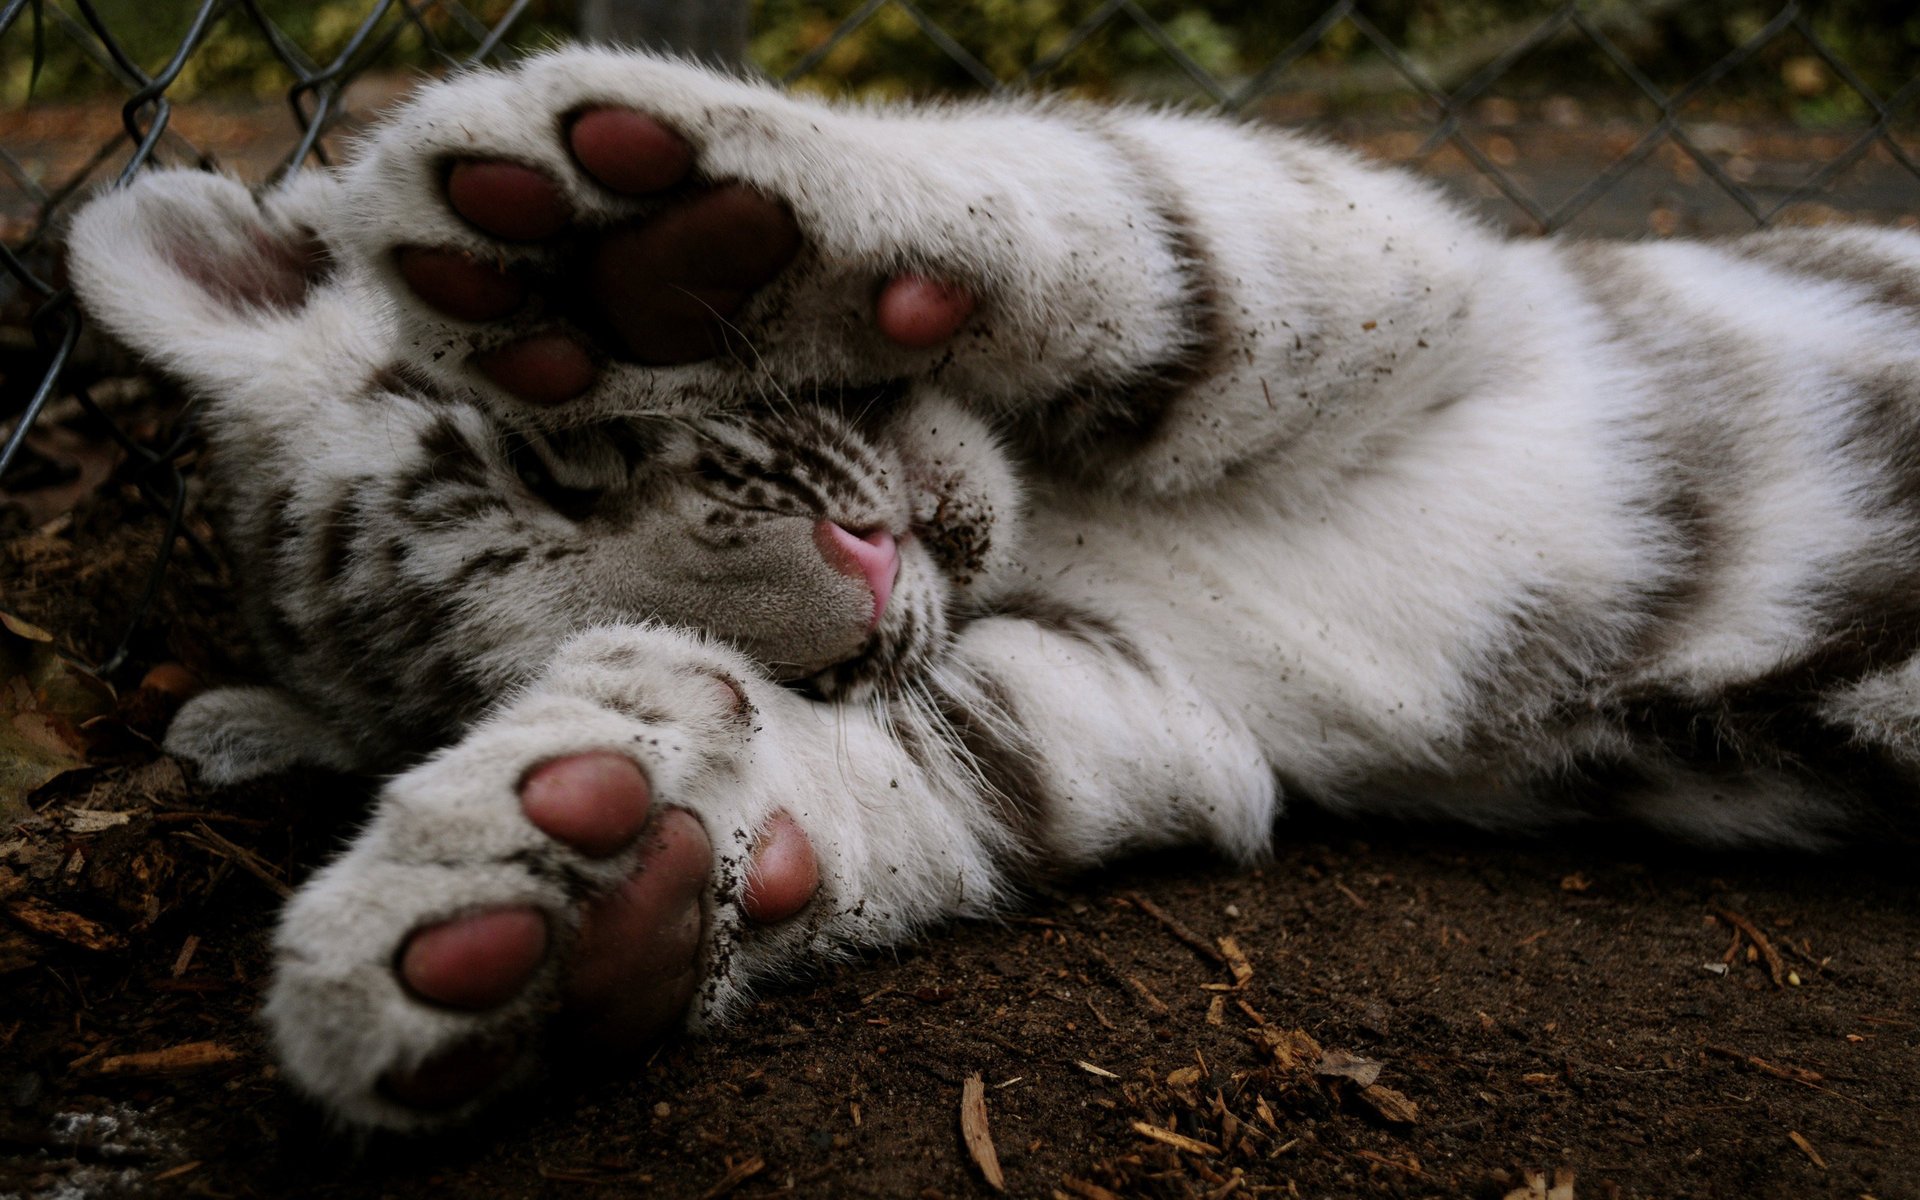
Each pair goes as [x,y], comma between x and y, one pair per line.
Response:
[459,1009]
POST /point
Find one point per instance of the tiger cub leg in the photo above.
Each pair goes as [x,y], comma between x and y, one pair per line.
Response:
[669,287]
[585,850]
[615,991]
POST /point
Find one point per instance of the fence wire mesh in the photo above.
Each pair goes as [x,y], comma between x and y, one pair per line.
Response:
[1495,108]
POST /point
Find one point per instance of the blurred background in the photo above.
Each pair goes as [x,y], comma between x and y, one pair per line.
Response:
[1596,117]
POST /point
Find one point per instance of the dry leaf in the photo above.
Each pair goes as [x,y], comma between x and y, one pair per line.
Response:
[83,821]
[17,951]
[44,699]
[80,464]
[1341,1064]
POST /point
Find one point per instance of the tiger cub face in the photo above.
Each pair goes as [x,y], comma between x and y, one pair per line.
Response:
[834,543]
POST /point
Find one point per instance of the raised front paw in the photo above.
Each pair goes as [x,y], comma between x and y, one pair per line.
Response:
[589,850]
[566,230]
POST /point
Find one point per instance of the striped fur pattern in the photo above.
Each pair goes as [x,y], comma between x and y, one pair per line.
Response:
[1260,472]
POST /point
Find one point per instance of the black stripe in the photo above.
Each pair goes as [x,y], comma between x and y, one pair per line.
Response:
[338,524]
[457,508]
[1699,470]
[986,726]
[1070,621]
[1887,281]
[1884,437]
[403,378]
[446,456]
[1099,417]
[487,564]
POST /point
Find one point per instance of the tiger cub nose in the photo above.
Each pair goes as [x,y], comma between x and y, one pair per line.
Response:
[871,556]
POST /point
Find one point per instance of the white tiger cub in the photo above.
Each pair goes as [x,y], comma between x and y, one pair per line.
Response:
[1255,471]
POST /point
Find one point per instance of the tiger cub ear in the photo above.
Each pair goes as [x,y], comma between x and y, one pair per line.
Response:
[184,265]
[239,733]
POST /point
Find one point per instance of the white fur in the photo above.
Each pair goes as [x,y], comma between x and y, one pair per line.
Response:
[1383,546]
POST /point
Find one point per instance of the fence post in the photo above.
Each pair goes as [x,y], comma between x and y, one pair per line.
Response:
[715,30]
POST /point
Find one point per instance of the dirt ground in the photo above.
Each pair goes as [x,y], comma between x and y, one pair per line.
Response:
[1378,1011]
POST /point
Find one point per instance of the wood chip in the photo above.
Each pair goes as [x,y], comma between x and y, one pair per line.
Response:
[1776,966]
[736,1175]
[37,916]
[1806,1147]
[1090,1069]
[1086,1189]
[1147,997]
[174,1060]
[1217,1010]
[973,1132]
[591,1174]
[184,959]
[1228,1188]
[1411,1166]
[1179,1141]
[175,1172]
[1390,1105]
[1293,1049]
[1236,961]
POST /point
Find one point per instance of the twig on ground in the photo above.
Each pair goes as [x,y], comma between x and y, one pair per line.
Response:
[1178,929]
[973,1132]
[204,837]
[1776,966]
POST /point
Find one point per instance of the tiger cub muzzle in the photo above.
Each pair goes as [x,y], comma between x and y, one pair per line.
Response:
[815,544]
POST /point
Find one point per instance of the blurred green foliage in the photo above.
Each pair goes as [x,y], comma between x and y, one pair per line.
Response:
[1672,41]
[1037,41]
[236,57]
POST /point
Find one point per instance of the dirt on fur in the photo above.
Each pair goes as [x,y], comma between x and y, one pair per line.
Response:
[1380,1010]
[1377,1011]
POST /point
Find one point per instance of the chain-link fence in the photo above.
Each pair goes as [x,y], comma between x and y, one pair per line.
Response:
[1590,115]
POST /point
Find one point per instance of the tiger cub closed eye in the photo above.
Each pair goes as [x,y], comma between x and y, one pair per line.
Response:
[992,490]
